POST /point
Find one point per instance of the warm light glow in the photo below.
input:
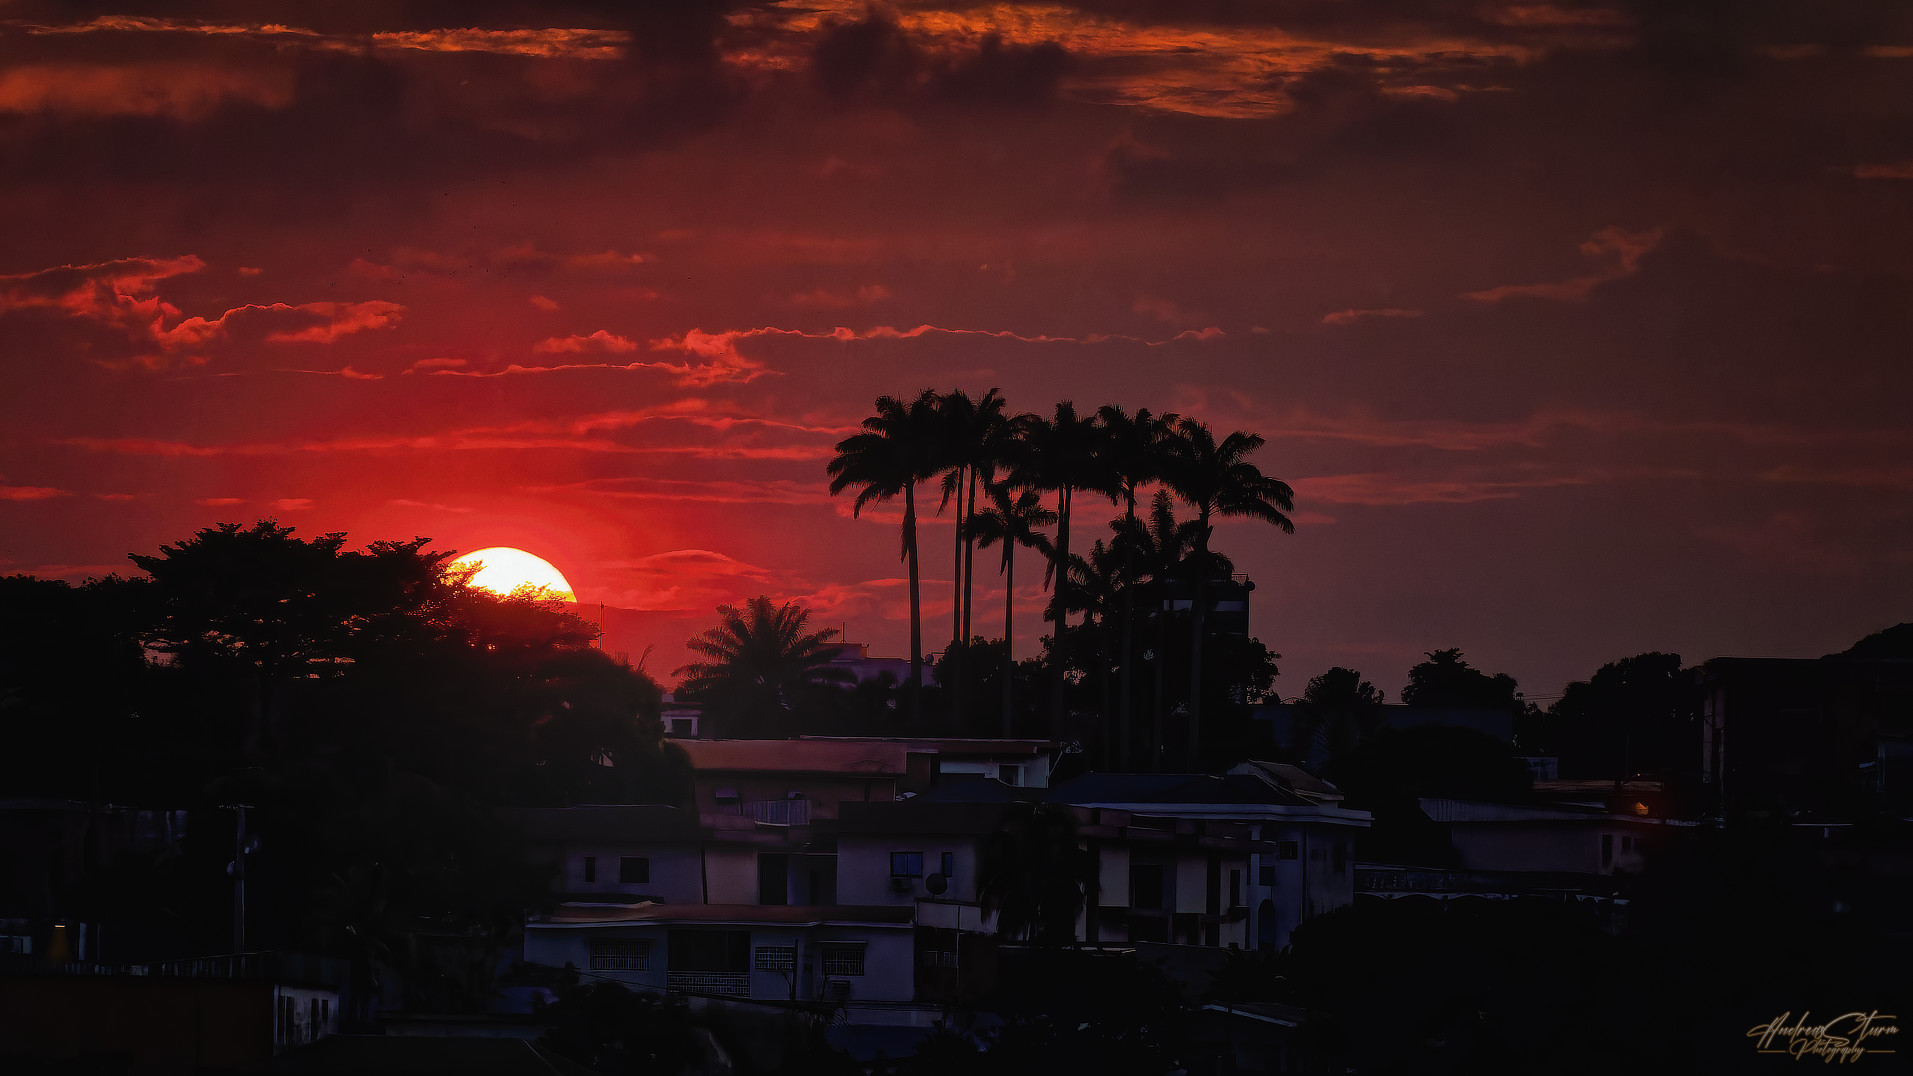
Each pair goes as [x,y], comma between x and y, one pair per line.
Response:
[503,570]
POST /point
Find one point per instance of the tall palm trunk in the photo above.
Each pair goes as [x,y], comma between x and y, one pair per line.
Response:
[969,554]
[1128,643]
[916,604]
[1162,652]
[953,658]
[1009,636]
[1059,611]
[1198,611]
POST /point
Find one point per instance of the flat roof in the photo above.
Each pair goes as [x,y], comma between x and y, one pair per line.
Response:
[868,758]
[754,914]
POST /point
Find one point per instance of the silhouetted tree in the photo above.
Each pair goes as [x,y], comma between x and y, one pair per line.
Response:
[759,663]
[1061,455]
[896,450]
[1218,482]
[1012,519]
[1033,874]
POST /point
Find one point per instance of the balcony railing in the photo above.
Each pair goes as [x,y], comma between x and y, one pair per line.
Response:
[730,984]
[778,812]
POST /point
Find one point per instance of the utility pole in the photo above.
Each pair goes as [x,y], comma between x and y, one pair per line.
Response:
[238,871]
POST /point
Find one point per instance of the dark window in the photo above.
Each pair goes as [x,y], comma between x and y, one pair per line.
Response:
[1235,889]
[1286,850]
[843,959]
[621,956]
[680,726]
[1007,774]
[1339,852]
[710,950]
[591,868]
[773,878]
[1266,877]
[1607,849]
[1149,928]
[949,864]
[906,864]
[1145,886]
[634,869]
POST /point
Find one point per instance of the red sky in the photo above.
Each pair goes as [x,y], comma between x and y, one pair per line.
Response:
[1580,329]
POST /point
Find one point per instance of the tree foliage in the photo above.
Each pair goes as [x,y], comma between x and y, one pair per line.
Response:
[760,665]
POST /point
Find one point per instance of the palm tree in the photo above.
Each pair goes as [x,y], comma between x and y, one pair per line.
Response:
[974,438]
[1217,480]
[1133,449]
[1034,875]
[1160,549]
[1100,590]
[1013,519]
[890,456]
[1061,455]
[758,659]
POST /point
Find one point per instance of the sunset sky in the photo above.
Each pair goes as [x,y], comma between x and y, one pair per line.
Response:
[1580,329]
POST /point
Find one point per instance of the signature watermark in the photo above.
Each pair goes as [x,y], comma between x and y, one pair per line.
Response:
[1847,1037]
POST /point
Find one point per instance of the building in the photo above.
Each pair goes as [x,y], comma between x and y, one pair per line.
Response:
[1304,866]
[860,957]
[225,1013]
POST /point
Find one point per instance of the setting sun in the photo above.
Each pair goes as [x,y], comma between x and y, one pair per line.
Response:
[504,570]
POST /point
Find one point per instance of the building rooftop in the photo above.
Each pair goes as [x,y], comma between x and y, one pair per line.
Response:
[958,746]
[832,756]
[1167,788]
[764,914]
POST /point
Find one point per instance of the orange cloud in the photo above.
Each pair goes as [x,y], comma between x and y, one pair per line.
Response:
[342,319]
[1350,317]
[31,493]
[169,89]
[602,340]
[1624,248]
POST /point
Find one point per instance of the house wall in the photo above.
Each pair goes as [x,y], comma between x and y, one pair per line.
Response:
[731,874]
[863,868]
[557,947]
[824,791]
[674,872]
[889,957]
[1306,886]
[1572,845]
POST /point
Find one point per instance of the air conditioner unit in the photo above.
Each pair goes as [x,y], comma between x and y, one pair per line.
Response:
[901,884]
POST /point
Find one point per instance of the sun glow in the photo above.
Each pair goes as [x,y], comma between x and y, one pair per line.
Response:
[504,570]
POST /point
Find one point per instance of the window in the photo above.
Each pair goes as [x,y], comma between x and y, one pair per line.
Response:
[906,865]
[1286,850]
[607,955]
[1607,849]
[1265,876]
[591,868]
[1145,886]
[1339,854]
[779,958]
[843,959]
[1235,889]
[680,726]
[325,1012]
[949,864]
[634,869]
[1010,775]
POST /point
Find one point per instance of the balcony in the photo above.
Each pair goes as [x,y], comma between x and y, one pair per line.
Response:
[728,984]
[777,812]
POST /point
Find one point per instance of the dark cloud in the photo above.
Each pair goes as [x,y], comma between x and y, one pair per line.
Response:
[873,58]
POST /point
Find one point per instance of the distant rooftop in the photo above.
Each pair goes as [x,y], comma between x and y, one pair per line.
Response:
[1143,788]
[846,756]
[777,914]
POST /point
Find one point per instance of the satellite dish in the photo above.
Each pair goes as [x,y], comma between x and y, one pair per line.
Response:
[936,884]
